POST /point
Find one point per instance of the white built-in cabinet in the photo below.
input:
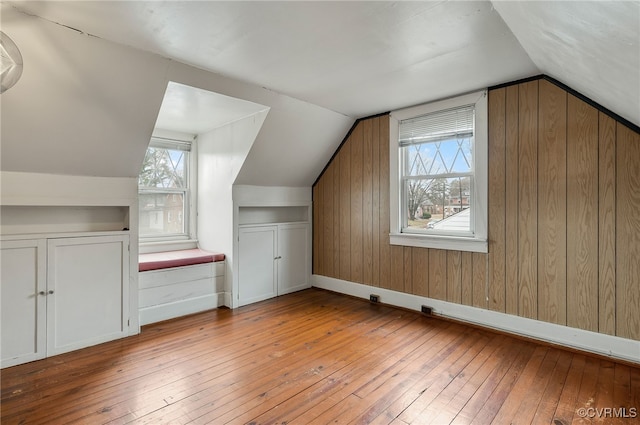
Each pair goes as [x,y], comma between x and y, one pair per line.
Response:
[271,252]
[272,260]
[60,293]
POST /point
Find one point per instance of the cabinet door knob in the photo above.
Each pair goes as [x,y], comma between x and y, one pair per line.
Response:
[50,291]
[41,293]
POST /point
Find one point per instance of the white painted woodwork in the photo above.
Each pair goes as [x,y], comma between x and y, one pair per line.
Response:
[87,291]
[264,215]
[22,307]
[273,260]
[257,252]
[47,219]
[175,292]
[266,206]
[61,292]
[603,344]
[293,264]
[49,205]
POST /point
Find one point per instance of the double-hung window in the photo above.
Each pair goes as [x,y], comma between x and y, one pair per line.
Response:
[439,155]
[164,191]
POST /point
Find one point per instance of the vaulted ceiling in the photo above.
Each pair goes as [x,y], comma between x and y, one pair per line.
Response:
[354,59]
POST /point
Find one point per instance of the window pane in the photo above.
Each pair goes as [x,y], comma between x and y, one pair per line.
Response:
[164,168]
[161,214]
[438,204]
[439,157]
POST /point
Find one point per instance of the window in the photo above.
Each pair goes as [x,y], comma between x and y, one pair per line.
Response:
[439,153]
[164,191]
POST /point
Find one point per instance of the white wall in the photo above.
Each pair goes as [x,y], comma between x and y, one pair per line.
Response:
[221,153]
[87,106]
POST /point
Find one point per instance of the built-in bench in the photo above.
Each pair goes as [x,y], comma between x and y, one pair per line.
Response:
[176,283]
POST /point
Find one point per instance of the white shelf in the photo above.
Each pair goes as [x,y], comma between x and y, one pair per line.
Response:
[32,219]
[273,214]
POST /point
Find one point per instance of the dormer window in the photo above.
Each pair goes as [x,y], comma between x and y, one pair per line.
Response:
[164,191]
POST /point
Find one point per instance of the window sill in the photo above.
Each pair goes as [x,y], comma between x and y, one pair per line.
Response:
[440,242]
[163,246]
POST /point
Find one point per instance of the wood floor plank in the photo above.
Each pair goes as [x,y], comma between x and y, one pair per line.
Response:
[315,357]
[492,392]
[512,393]
[420,384]
[326,393]
[548,403]
[566,406]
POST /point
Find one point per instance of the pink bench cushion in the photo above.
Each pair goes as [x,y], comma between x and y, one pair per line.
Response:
[186,257]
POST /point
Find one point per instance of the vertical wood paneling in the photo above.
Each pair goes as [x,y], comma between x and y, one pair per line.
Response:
[564,228]
[627,233]
[438,274]
[356,204]
[337,194]
[327,222]
[345,211]
[582,215]
[367,203]
[375,200]
[420,271]
[479,279]
[497,192]
[528,200]
[396,281]
[383,143]
[606,224]
[407,271]
[552,203]
[454,276]
[316,230]
[466,279]
[511,200]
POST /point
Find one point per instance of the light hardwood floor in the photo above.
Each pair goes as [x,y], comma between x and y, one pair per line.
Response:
[315,357]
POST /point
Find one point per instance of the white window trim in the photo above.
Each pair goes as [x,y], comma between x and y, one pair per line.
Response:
[188,240]
[477,242]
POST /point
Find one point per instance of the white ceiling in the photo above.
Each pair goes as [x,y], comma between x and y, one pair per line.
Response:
[316,65]
[192,110]
[356,58]
[593,47]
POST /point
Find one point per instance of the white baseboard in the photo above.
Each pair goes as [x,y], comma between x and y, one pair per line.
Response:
[593,342]
[158,313]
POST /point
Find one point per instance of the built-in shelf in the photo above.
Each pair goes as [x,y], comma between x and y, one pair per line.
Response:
[18,219]
[271,214]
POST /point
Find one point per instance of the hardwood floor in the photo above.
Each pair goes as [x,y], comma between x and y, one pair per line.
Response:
[315,357]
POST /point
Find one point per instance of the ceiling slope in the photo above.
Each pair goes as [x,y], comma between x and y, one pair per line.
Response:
[87,106]
[84,106]
[357,58]
[591,46]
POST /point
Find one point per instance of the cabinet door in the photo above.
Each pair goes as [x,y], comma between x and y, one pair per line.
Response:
[23,301]
[293,261]
[256,264]
[87,291]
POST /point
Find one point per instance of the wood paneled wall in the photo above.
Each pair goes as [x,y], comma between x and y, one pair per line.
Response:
[564,216]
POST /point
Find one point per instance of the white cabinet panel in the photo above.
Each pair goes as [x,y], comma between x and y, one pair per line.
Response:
[87,286]
[293,264]
[23,301]
[273,260]
[256,264]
